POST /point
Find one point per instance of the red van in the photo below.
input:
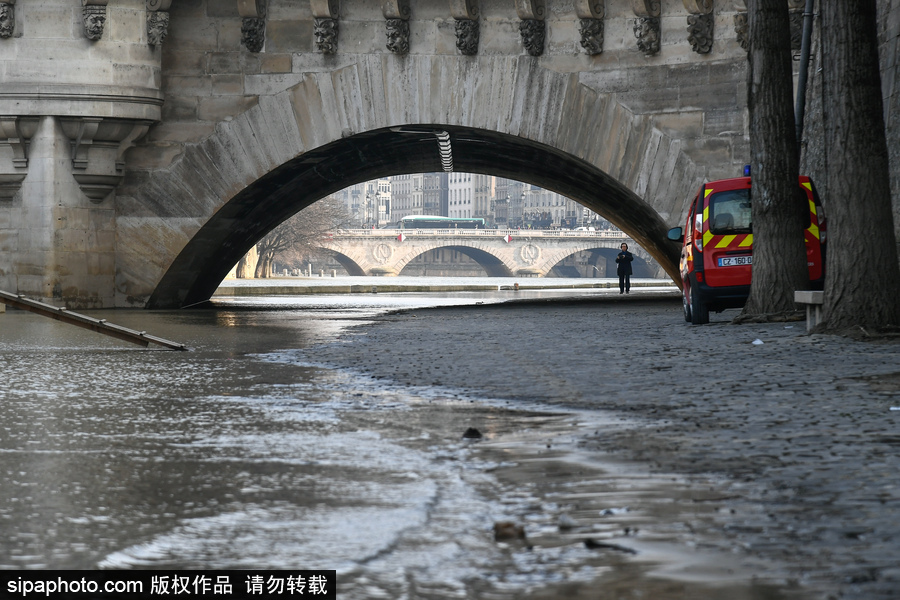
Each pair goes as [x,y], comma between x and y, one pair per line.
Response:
[717,247]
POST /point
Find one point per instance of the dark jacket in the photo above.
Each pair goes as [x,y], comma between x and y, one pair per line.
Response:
[623,259]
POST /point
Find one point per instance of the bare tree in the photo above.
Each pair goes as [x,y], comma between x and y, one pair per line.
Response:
[862,279]
[300,234]
[779,208]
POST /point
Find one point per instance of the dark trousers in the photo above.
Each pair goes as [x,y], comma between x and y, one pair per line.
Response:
[624,283]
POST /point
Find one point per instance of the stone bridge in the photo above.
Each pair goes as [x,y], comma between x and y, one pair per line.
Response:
[146,145]
[501,253]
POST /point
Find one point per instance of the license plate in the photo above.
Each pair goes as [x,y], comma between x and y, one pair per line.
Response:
[735,261]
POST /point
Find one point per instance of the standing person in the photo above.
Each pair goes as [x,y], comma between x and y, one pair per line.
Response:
[623,260]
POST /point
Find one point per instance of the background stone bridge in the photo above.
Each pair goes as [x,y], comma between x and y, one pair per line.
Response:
[501,253]
[146,145]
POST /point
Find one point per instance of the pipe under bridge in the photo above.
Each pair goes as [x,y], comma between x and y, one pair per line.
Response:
[500,252]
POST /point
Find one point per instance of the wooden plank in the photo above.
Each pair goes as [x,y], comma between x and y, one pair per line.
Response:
[99,325]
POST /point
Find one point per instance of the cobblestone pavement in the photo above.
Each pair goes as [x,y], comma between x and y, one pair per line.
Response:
[801,425]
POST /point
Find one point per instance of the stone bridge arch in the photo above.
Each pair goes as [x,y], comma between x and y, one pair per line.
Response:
[342,257]
[376,117]
[493,265]
[364,259]
[554,256]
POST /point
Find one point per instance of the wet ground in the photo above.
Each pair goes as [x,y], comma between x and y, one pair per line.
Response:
[798,434]
[325,435]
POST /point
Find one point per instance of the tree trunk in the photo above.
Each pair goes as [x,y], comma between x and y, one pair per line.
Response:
[779,208]
[862,278]
[264,266]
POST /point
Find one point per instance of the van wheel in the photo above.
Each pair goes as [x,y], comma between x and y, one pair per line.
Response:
[699,309]
[686,305]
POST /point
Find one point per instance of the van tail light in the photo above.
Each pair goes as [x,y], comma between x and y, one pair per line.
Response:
[698,232]
[699,275]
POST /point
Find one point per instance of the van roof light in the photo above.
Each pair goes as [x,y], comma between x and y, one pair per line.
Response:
[746,170]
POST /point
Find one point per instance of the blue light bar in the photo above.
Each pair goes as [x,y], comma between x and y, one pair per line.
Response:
[746,170]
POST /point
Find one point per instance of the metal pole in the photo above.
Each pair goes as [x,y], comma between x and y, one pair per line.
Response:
[803,75]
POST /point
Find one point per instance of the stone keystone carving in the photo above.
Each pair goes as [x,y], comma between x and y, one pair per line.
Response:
[646,30]
[467,29]
[253,25]
[531,26]
[93,16]
[7,18]
[157,27]
[646,26]
[533,33]
[325,24]
[590,14]
[467,36]
[700,25]
[591,35]
[397,32]
[157,21]
[700,33]
[325,32]
[396,14]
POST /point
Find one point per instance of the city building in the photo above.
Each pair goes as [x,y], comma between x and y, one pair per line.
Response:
[435,200]
[461,192]
[501,202]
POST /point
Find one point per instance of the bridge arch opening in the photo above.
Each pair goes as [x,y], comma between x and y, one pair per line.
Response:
[600,263]
[248,216]
[493,266]
[345,261]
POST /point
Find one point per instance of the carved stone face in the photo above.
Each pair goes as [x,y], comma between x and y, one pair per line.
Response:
[397,36]
[592,35]
[94,21]
[157,27]
[325,33]
[646,30]
[467,34]
[7,20]
[533,34]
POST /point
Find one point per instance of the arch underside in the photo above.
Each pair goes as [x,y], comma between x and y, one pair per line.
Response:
[345,261]
[229,233]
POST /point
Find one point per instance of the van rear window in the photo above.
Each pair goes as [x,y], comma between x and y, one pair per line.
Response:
[729,212]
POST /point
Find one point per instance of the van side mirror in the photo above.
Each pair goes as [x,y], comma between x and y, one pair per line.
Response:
[675,234]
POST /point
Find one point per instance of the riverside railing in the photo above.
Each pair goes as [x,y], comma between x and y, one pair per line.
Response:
[515,233]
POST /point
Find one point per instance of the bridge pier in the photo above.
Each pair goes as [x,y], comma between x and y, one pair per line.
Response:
[79,84]
[63,245]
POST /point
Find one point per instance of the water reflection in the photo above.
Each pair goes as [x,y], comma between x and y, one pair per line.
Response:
[240,454]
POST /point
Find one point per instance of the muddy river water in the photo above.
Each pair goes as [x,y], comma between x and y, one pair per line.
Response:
[242,453]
